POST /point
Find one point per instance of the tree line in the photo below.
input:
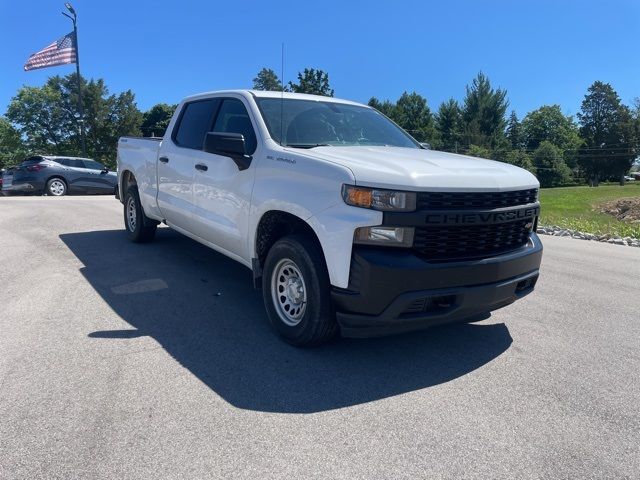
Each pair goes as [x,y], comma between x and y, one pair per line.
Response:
[601,143]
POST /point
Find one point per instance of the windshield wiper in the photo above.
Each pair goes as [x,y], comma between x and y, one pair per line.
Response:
[306,145]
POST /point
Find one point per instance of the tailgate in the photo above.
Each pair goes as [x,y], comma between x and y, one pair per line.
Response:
[7,180]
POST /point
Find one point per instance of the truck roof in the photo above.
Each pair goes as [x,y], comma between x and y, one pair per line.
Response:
[271,94]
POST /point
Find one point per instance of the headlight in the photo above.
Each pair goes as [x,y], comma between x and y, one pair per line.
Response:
[384,236]
[377,199]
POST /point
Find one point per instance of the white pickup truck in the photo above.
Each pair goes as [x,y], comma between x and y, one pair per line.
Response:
[347,222]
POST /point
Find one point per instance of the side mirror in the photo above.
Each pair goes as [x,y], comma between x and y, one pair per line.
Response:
[425,145]
[228,145]
[105,170]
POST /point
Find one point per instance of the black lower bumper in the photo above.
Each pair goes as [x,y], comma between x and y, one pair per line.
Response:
[394,291]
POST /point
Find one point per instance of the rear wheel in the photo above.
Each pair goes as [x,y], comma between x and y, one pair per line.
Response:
[140,228]
[56,187]
[296,292]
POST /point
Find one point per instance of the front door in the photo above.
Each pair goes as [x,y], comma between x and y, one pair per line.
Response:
[101,181]
[222,192]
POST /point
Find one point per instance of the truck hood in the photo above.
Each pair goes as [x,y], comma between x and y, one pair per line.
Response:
[417,169]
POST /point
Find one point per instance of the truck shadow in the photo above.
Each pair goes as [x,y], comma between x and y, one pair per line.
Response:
[201,308]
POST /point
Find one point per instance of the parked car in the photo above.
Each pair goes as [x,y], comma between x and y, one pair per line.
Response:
[629,178]
[346,221]
[56,176]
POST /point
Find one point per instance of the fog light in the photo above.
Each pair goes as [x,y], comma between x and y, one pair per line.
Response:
[384,236]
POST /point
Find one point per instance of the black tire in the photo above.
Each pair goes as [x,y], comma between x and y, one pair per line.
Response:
[317,321]
[139,227]
[56,187]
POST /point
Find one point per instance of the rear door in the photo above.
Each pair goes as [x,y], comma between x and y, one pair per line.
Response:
[75,174]
[179,153]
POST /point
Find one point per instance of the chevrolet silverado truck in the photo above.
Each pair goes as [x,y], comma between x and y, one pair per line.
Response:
[348,224]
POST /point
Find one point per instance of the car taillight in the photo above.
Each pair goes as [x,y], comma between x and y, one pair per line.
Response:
[35,168]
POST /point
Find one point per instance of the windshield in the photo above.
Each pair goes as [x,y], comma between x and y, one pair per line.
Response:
[311,123]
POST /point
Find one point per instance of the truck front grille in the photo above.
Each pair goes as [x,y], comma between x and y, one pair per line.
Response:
[464,242]
[475,200]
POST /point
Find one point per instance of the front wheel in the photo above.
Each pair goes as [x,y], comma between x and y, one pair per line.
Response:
[296,292]
[134,219]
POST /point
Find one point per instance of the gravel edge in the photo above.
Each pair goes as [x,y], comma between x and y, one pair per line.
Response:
[564,232]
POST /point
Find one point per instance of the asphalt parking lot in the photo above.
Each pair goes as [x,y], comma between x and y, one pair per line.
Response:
[155,361]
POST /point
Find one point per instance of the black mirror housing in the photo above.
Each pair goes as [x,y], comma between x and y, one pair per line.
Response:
[229,145]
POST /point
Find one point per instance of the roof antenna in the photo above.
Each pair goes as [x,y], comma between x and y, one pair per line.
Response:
[281,94]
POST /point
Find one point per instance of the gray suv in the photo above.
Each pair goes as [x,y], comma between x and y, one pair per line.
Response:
[59,176]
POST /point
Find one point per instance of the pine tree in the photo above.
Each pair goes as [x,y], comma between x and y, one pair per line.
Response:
[449,125]
[267,80]
[514,131]
[607,127]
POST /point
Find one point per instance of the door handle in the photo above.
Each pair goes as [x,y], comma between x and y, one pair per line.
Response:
[202,167]
[164,159]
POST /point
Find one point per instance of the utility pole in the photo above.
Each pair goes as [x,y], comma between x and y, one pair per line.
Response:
[73,18]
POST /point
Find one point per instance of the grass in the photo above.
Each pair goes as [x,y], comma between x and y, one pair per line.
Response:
[575,208]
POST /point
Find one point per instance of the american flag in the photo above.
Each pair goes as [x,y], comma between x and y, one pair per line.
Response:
[60,52]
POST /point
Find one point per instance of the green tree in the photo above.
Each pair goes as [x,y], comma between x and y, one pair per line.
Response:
[478,151]
[41,117]
[548,123]
[449,125]
[483,113]
[521,159]
[312,81]
[11,148]
[413,114]
[551,169]
[47,117]
[386,108]
[267,80]
[514,131]
[156,120]
[608,130]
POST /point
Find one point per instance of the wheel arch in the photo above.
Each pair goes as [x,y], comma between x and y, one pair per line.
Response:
[127,179]
[272,226]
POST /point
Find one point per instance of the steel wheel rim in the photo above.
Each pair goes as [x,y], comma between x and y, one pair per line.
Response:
[132,214]
[56,188]
[288,292]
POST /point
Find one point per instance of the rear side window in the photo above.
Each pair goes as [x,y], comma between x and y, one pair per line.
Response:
[233,118]
[195,122]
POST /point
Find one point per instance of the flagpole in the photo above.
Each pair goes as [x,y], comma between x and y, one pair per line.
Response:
[80,104]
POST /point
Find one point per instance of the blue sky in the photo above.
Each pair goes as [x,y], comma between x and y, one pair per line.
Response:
[542,52]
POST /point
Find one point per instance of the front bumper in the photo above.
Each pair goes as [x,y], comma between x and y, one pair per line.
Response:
[394,291]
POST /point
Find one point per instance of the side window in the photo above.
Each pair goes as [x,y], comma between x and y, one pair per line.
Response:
[195,122]
[93,165]
[233,118]
[71,162]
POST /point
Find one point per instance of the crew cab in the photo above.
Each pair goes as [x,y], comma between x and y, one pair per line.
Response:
[348,224]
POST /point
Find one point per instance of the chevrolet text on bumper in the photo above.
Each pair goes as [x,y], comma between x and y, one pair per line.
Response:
[348,224]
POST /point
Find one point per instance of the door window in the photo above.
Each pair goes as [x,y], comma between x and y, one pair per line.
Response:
[93,165]
[195,122]
[71,162]
[234,118]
